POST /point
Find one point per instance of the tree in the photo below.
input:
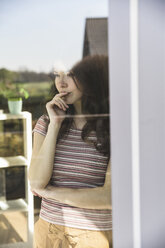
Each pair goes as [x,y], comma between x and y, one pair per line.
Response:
[7,76]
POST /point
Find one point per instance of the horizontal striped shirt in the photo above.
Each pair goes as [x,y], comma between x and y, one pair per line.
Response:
[77,164]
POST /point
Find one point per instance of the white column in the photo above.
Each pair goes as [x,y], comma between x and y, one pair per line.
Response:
[137,100]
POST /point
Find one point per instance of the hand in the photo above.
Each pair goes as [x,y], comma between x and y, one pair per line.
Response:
[56,108]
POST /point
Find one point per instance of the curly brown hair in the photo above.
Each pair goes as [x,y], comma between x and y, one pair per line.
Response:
[92,73]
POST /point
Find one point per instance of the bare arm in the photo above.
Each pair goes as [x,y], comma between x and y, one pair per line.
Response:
[42,160]
[44,147]
[93,198]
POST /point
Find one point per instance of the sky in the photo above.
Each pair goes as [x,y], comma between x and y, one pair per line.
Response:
[41,35]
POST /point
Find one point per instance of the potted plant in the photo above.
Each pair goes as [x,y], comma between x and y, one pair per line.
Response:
[14,93]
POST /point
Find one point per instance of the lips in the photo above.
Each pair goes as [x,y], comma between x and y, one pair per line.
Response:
[68,93]
[66,96]
[65,92]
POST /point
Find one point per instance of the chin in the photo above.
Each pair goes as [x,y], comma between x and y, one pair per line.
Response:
[72,100]
[70,103]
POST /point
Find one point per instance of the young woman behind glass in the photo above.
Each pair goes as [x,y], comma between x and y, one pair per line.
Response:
[70,164]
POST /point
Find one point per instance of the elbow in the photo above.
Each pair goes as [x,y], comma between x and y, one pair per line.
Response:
[108,205]
[106,197]
[36,184]
[108,201]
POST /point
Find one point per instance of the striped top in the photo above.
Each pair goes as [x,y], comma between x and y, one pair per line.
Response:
[77,164]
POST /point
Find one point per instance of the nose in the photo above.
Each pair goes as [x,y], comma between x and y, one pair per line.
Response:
[62,82]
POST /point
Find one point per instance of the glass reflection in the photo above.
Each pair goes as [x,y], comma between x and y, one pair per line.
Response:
[69,102]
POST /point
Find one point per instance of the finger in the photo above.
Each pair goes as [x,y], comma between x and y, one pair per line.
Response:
[61,105]
[58,99]
[62,94]
[56,102]
[63,102]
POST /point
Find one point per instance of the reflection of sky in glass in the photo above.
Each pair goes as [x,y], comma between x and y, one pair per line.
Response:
[40,35]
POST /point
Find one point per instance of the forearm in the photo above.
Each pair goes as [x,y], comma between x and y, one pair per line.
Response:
[41,165]
[93,198]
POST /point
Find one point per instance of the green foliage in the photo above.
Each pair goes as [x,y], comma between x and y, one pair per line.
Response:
[24,84]
[37,89]
[8,86]
[12,90]
[31,76]
[24,76]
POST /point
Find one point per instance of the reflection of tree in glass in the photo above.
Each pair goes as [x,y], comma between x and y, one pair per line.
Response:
[11,138]
[15,182]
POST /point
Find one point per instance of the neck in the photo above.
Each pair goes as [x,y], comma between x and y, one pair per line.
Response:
[79,121]
[78,107]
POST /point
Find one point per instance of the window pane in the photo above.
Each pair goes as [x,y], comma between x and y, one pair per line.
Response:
[58,66]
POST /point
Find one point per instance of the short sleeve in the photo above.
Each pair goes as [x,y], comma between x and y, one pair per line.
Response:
[41,125]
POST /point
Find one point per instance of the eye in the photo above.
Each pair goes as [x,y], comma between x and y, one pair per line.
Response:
[56,74]
[69,74]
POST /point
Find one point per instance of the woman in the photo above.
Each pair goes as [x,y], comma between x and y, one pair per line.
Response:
[71,155]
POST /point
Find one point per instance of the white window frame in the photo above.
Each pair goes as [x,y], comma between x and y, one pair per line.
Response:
[136,41]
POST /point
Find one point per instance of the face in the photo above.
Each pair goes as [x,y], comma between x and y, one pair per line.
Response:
[65,83]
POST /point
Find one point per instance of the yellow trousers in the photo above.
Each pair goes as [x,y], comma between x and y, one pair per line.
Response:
[47,235]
